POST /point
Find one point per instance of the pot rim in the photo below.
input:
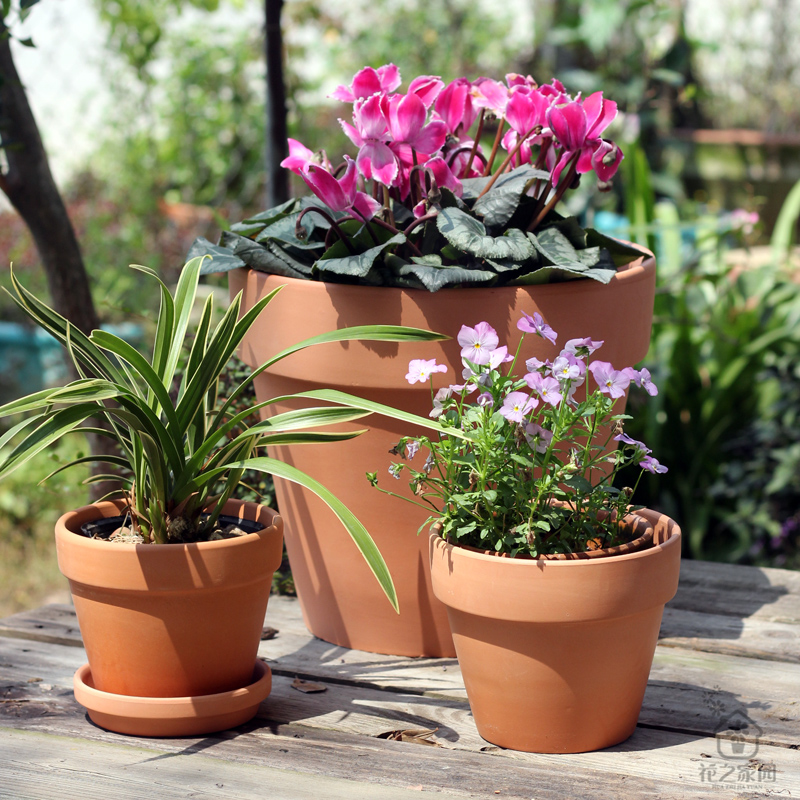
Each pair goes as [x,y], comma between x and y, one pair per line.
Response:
[662,539]
[70,520]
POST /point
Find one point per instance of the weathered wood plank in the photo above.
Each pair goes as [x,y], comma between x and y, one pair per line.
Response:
[647,766]
[716,633]
[737,591]
[690,693]
[36,766]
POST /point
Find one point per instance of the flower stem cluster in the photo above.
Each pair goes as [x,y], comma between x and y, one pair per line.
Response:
[535,473]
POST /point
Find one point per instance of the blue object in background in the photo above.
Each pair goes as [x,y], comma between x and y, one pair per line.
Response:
[32,360]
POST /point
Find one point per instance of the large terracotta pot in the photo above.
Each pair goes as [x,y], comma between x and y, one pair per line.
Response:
[341,600]
[556,654]
[175,621]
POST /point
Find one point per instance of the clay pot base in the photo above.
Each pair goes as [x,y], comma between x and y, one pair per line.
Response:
[172,716]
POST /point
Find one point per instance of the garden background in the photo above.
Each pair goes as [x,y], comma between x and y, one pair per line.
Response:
[153,117]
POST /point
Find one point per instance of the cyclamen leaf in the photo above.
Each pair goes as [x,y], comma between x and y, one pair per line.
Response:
[265,258]
[498,205]
[435,277]
[223,259]
[469,235]
[358,265]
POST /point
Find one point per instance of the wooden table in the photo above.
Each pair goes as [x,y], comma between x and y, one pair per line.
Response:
[728,656]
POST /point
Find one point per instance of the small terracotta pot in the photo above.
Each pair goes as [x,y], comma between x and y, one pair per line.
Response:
[340,598]
[556,653]
[173,620]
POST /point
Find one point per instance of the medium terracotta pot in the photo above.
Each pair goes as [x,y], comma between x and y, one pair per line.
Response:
[174,620]
[556,653]
[341,600]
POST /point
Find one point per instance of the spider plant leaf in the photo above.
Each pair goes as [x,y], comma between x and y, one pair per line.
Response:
[354,527]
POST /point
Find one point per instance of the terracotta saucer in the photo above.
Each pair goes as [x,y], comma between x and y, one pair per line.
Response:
[172,716]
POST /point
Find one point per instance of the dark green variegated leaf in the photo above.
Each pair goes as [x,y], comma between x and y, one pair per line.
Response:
[284,230]
[472,187]
[222,258]
[356,266]
[559,252]
[550,274]
[268,257]
[435,276]
[619,252]
[268,216]
[469,235]
[498,205]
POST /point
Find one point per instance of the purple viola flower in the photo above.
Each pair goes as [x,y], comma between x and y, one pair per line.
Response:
[420,370]
[412,448]
[651,465]
[440,400]
[568,368]
[517,405]
[535,365]
[548,388]
[536,324]
[477,343]
[641,377]
[485,399]
[609,380]
[499,356]
[625,439]
[395,470]
[582,347]
[538,438]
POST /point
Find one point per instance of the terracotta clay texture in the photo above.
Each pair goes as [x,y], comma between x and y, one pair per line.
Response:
[173,620]
[341,601]
[556,654]
[172,716]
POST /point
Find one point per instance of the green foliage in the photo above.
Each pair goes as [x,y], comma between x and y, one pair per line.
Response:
[720,336]
[452,248]
[178,443]
[538,483]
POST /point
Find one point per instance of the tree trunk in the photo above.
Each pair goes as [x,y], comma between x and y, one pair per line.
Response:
[29,185]
[276,147]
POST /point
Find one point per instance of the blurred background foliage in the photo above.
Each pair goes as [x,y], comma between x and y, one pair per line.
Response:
[179,153]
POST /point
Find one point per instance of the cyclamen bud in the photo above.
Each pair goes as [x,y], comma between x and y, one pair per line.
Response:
[611,156]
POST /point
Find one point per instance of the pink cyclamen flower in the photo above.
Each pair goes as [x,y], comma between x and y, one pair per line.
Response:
[536,324]
[526,115]
[609,380]
[300,158]
[455,108]
[427,88]
[341,194]
[371,135]
[407,114]
[582,347]
[517,405]
[538,438]
[548,388]
[577,126]
[651,465]
[367,82]
[491,95]
[421,370]
[477,343]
